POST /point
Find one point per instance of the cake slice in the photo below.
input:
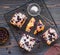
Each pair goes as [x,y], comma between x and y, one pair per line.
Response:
[27,42]
[39,27]
[50,36]
[30,24]
[18,19]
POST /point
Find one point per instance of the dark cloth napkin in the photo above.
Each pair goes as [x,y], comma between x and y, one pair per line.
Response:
[54,50]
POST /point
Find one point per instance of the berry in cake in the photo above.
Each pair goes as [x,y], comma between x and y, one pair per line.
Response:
[30,24]
[27,42]
[50,36]
[18,19]
[39,27]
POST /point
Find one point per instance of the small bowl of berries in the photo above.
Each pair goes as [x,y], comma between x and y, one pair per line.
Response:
[4,35]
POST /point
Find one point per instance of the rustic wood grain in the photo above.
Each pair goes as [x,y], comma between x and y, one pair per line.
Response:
[7,5]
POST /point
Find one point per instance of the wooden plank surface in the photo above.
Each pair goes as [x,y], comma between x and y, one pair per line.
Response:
[8,5]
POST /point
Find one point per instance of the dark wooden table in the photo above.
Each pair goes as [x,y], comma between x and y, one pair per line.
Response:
[8,5]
